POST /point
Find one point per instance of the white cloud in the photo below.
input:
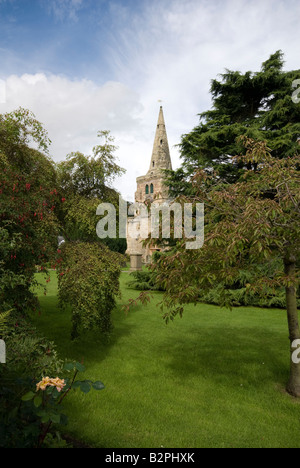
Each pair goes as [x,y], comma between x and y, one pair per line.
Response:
[177,47]
[74,111]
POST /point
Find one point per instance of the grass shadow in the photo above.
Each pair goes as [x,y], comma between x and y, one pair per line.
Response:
[228,354]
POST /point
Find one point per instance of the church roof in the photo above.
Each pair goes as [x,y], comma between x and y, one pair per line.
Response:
[160,154]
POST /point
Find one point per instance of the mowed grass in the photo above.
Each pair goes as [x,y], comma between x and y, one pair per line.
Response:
[214,378]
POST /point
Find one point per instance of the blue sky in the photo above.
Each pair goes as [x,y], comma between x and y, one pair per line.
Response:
[88,65]
[56,36]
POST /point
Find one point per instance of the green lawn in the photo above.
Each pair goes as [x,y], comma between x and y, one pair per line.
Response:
[214,378]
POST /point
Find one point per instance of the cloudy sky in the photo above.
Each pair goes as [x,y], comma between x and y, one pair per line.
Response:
[87,65]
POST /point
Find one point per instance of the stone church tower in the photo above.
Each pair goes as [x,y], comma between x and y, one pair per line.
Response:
[150,188]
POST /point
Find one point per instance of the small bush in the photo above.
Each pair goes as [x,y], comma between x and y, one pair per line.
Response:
[144,281]
[28,357]
[88,281]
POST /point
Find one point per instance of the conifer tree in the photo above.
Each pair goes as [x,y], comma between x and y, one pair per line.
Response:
[258,105]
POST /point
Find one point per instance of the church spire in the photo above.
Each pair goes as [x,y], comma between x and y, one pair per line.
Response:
[160,154]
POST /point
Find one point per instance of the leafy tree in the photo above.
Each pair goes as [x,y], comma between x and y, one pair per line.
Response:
[86,182]
[28,199]
[91,176]
[248,224]
[255,104]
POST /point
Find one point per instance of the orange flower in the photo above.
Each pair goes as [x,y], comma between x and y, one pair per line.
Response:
[43,384]
[58,383]
[47,382]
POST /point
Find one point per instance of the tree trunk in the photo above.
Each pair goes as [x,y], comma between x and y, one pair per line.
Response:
[293,386]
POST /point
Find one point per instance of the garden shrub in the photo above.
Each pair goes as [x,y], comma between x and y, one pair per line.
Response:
[28,357]
[88,281]
[144,281]
[239,295]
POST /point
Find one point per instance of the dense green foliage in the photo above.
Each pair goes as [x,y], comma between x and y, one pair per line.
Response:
[28,199]
[89,283]
[29,356]
[144,280]
[250,228]
[238,293]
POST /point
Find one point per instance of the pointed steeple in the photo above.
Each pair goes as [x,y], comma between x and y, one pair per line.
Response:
[160,154]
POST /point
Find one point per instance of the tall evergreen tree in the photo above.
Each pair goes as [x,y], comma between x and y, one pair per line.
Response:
[258,105]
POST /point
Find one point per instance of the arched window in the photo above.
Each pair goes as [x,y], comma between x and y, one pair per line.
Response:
[147,189]
[151,188]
